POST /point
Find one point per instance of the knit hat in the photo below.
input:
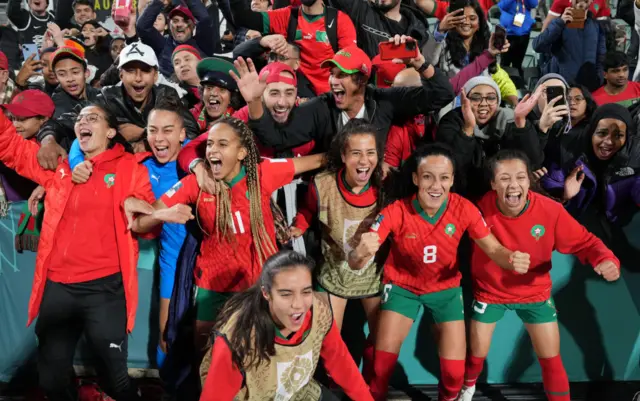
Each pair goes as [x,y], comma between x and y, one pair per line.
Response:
[549,76]
[473,82]
[186,48]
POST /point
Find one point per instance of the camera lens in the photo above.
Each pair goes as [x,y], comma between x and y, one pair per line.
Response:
[410,45]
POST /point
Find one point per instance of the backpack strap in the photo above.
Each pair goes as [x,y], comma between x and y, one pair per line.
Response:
[293,25]
[331,26]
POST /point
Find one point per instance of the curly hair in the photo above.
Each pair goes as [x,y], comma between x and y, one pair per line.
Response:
[480,41]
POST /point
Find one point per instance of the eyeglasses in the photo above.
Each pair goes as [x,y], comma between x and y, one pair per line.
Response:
[575,99]
[477,99]
[91,118]
[279,57]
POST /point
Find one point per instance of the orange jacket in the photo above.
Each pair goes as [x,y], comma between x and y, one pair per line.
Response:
[133,180]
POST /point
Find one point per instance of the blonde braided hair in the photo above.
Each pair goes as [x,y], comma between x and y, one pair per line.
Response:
[224,219]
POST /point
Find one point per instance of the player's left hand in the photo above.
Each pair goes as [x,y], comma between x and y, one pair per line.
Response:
[520,262]
[133,206]
[82,172]
[608,270]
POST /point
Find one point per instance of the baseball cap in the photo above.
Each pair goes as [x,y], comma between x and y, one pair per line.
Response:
[30,103]
[138,51]
[184,11]
[4,62]
[275,71]
[186,48]
[386,71]
[350,60]
[68,52]
[215,71]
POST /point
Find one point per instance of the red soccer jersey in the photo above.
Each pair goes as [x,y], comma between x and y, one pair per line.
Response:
[313,41]
[599,8]
[627,98]
[234,266]
[424,250]
[543,227]
[402,140]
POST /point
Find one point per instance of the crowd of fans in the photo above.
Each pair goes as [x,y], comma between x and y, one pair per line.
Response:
[126,120]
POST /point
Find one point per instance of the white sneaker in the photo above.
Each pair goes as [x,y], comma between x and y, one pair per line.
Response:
[636,397]
[466,394]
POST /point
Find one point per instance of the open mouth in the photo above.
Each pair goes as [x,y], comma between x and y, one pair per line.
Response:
[161,151]
[605,151]
[296,318]
[213,103]
[435,195]
[216,165]
[338,95]
[513,198]
[85,136]
[73,88]
[362,174]
[139,89]
[280,113]
[483,114]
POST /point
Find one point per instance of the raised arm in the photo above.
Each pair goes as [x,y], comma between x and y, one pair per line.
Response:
[144,26]
[503,257]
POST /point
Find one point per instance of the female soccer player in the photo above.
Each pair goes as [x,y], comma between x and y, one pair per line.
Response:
[269,338]
[85,280]
[236,220]
[523,219]
[422,270]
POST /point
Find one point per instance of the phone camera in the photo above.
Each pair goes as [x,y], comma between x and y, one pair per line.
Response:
[410,45]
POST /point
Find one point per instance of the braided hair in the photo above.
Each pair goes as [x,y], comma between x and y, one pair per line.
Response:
[224,219]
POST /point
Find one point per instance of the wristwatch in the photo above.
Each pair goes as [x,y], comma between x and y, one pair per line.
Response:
[423,67]
[194,163]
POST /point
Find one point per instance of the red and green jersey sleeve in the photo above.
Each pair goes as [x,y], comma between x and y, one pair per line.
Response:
[224,380]
[346,31]
[441,9]
[276,21]
[184,191]
[308,211]
[599,8]
[275,173]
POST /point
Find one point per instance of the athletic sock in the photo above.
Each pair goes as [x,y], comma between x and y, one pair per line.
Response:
[160,356]
[383,365]
[451,379]
[367,359]
[554,379]
[472,369]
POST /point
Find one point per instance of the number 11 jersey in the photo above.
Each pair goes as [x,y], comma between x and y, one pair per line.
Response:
[424,249]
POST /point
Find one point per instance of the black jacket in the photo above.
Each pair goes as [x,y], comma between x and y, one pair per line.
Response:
[127,112]
[372,27]
[319,119]
[471,151]
[253,50]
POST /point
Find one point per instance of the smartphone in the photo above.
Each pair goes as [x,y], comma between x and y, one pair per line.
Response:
[389,50]
[579,16]
[28,49]
[499,37]
[555,91]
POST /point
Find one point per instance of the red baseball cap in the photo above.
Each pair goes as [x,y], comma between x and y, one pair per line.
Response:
[386,71]
[30,103]
[4,62]
[275,71]
[184,11]
[350,60]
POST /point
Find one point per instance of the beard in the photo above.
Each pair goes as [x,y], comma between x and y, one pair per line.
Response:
[308,3]
[384,7]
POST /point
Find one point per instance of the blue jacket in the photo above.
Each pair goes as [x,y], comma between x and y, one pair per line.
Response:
[509,8]
[571,49]
[164,45]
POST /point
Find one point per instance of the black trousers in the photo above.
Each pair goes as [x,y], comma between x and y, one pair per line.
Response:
[96,309]
[517,51]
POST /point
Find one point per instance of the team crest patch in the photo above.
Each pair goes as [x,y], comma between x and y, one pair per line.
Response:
[537,231]
[110,180]
[376,224]
[292,376]
[450,229]
[172,191]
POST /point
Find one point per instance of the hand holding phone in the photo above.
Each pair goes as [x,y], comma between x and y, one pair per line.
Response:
[405,51]
[499,37]
[555,91]
[29,49]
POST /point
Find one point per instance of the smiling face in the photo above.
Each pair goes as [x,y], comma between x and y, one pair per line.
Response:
[181,28]
[484,103]
[470,25]
[216,100]
[165,134]
[360,158]
[38,6]
[290,298]
[27,127]
[609,137]
[280,99]
[83,13]
[511,183]
[72,76]
[138,80]
[88,31]
[93,131]
[184,64]
[344,88]
[434,180]
[225,152]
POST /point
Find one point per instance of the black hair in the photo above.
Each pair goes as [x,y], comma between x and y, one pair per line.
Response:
[591,104]
[252,337]
[172,104]
[402,185]
[92,22]
[359,79]
[480,41]
[64,56]
[112,122]
[615,59]
[338,146]
[504,155]
[83,3]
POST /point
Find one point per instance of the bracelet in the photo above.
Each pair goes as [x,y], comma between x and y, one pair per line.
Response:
[423,68]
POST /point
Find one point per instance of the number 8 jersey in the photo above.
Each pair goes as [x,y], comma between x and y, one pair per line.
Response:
[424,249]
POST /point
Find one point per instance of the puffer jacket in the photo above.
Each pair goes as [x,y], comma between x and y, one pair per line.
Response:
[133,180]
[572,49]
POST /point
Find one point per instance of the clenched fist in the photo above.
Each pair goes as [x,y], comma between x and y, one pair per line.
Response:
[608,270]
[519,262]
[369,245]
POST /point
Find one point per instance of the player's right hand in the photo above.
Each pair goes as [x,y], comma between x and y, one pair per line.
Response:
[519,262]
[369,245]
[178,213]
[82,172]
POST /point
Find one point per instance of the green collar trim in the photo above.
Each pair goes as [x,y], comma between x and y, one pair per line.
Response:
[524,209]
[343,177]
[312,18]
[237,178]
[425,216]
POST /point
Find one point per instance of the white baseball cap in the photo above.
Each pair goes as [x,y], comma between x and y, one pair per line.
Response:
[138,51]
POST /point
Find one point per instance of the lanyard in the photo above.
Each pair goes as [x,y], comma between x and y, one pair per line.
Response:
[521,3]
